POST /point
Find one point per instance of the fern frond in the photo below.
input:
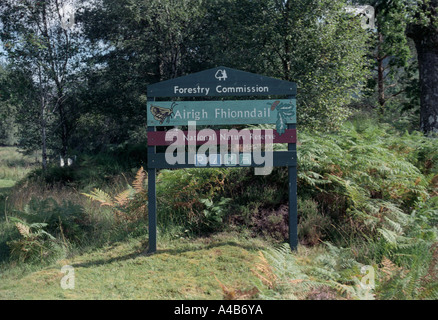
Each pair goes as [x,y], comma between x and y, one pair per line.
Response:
[123,197]
[34,230]
[388,235]
[264,272]
[236,294]
[23,229]
[100,196]
[389,269]
[42,232]
[139,180]
[430,292]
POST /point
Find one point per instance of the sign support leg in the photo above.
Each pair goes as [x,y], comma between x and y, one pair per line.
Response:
[152,202]
[293,205]
[152,211]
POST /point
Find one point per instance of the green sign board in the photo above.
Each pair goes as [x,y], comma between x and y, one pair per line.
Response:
[166,113]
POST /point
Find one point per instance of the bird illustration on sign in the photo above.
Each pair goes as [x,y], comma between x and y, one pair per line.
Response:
[161,114]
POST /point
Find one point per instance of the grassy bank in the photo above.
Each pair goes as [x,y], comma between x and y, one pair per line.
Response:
[180,270]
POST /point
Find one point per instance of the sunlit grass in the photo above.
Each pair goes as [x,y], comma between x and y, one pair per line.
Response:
[181,269]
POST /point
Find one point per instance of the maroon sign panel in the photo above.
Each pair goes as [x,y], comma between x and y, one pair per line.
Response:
[212,137]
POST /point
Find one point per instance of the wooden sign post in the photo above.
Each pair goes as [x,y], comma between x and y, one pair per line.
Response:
[221,82]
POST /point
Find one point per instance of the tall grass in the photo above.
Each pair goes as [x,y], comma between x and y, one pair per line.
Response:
[14,165]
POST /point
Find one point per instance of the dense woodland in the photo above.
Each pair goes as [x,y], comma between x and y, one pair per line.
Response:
[73,84]
[83,87]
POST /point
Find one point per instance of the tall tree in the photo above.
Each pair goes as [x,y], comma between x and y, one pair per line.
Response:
[391,51]
[133,43]
[312,42]
[41,42]
[323,49]
[423,29]
[8,111]
[153,38]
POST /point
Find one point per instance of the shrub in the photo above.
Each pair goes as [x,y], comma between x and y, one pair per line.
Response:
[272,223]
[35,244]
[128,205]
[215,213]
[66,220]
[192,198]
[312,225]
[359,178]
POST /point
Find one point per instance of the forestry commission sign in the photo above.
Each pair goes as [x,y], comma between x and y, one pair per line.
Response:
[227,147]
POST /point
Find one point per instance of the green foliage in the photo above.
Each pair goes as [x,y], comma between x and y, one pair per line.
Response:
[313,43]
[326,55]
[365,180]
[67,220]
[35,244]
[328,63]
[338,269]
[362,172]
[44,56]
[415,278]
[8,130]
[14,166]
[337,263]
[128,205]
[192,198]
[394,69]
[383,230]
[331,275]
[92,171]
[280,272]
[313,226]
[376,186]
[254,194]
[367,192]
[215,212]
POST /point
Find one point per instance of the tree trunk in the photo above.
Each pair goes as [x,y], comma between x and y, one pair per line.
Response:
[287,41]
[43,135]
[426,43]
[381,76]
[428,65]
[64,130]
